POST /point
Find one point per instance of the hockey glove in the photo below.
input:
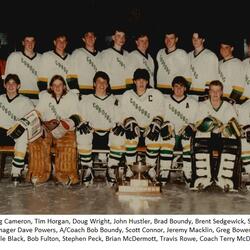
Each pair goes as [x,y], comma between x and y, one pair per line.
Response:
[232,128]
[208,124]
[187,131]
[152,132]
[118,129]
[85,128]
[132,129]
[246,130]
[76,119]
[18,129]
[167,130]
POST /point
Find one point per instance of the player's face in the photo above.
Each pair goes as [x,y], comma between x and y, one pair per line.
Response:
[179,90]
[142,43]
[141,86]
[170,41]
[60,43]
[215,93]
[119,38]
[57,87]
[101,85]
[11,87]
[226,51]
[89,39]
[29,43]
[197,41]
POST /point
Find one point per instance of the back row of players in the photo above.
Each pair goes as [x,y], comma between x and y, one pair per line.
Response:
[199,67]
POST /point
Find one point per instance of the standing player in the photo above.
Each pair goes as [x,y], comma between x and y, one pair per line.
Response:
[85,63]
[246,64]
[171,62]
[114,62]
[26,64]
[180,110]
[13,107]
[99,113]
[55,62]
[140,58]
[231,72]
[204,66]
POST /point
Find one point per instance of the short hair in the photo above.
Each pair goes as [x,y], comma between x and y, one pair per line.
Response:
[201,35]
[30,34]
[180,80]
[140,35]
[171,32]
[60,34]
[104,76]
[216,83]
[141,74]
[13,77]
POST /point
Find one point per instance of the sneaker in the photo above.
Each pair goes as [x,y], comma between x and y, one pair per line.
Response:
[110,175]
[16,180]
[88,176]
[163,176]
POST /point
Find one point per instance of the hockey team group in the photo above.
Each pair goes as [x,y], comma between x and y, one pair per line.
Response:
[119,100]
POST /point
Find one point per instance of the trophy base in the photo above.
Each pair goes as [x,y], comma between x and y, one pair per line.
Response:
[139,187]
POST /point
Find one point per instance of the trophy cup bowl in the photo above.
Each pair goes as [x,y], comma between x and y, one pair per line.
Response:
[139,168]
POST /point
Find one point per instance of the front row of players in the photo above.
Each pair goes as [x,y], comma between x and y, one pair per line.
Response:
[207,133]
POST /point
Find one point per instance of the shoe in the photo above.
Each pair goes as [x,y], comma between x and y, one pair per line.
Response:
[16,180]
[88,176]
[110,175]
[163,176]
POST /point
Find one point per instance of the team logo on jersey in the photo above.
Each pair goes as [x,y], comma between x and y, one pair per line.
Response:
[223,78]
[194,71]
[147,67]
[164,65]
[91,63]
[178,113]
[122,64]
[61,67]
[53,109]
[26,64]
[139,108]
[102,112]
[8,112]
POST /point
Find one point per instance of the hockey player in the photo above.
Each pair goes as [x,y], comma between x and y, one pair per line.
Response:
[56,62]
[142,111]
[85,63]
[246,64]
[140,58]
[231,72]
[217,123]
[171,62]
[58,111]
[99,113]
[13,106]
[114,62]
[180,110]
[204,66]
[25,64]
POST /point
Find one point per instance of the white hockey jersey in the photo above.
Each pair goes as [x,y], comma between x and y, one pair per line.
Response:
[13,110]
[84,64]
[137,59]
[246,65]
[180,113]
[224,113]
[170,65]
[143,108]
[27,70]
[204,69]
[244,113]
[231,74]
[115,64]
[99,112]
[52,64]
[49,108]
